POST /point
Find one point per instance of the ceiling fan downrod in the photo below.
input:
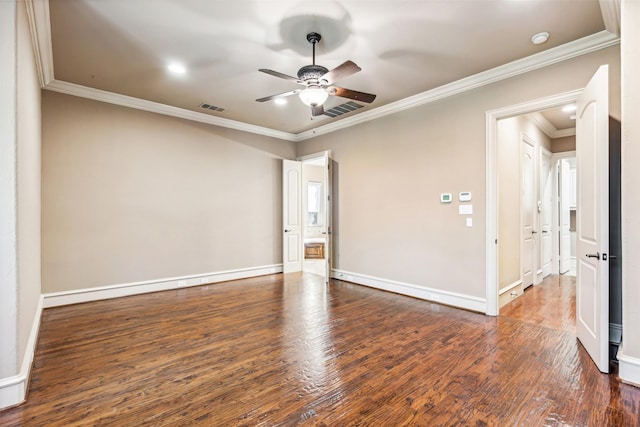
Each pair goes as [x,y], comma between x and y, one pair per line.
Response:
[314,38]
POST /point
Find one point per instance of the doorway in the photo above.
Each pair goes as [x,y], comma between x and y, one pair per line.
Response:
[306,242]
[315,212]
[564,249]
[493,195]
[526,210]
[592,241]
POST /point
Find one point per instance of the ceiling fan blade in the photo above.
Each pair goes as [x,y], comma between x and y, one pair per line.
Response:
[282,76]
[351,94]
[340,72]
[317,110]
[280,95]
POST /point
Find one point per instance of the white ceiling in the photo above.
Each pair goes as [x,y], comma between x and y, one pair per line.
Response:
[404,48]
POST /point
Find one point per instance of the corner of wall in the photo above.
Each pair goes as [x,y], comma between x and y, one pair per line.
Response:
[13,390]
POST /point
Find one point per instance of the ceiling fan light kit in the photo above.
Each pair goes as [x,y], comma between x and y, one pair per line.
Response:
[318,82]
[313,96]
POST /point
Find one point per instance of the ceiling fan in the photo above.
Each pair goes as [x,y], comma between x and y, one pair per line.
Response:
[318,82]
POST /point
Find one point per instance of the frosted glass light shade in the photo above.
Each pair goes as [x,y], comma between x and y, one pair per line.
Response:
[313,96]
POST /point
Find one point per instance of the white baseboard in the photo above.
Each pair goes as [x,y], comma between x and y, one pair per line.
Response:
[615,333]
[56,299]
[628,368]
[444,297]
[509,287]
[13,390]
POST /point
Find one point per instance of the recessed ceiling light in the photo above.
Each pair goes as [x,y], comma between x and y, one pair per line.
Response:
[540,38]
[280,101]
[176,68]
[569,108]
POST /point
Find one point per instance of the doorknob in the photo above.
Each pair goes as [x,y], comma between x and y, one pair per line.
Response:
[286,231]
[596,255]
[534,232]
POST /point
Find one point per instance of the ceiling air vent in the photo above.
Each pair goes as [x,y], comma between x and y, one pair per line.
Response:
[212,107]
[342,109]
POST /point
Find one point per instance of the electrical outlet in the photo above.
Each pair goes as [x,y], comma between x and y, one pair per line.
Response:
[182,283]
[203,280]
[434,297]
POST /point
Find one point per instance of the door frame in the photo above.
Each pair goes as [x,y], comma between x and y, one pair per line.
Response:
[491,238]
[328,204]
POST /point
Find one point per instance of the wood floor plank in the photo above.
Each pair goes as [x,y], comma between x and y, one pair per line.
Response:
[287,350]
[551,303]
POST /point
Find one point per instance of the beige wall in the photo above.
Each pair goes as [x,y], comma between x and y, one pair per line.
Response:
[28,164]
[392,171]
[510,133]
[566,143]
[133,196]
[8,195]
[19,200]
[630,179]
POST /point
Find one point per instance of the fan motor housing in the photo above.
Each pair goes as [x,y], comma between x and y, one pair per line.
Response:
[312,72]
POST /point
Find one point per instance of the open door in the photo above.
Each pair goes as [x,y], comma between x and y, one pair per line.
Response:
[527,211]
[291,216]
[565,217]
[545,209]
[328,209]
[592,243]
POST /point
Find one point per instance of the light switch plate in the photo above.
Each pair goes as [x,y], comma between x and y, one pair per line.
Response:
[464,196]
[465,209]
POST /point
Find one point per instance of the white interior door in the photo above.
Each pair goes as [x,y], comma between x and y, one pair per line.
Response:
[565,217]
[545,204]
[291,216]
[592,243]
[527,211]
[328,209]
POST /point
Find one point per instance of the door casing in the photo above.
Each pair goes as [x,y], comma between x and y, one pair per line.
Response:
[491,121]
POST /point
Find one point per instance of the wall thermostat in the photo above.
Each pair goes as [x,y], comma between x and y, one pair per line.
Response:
[445,198]
[464,196]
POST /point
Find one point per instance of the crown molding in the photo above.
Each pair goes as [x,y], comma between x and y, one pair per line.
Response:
[167,110]
[610,10]
[579,47]
[543,124]
[39,21]
[565,132]
[548,128]
[40,29]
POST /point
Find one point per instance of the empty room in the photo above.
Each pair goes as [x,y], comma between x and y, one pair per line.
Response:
[319,213]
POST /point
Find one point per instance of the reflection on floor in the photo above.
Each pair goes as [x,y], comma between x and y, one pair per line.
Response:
[287,349]
[551,304]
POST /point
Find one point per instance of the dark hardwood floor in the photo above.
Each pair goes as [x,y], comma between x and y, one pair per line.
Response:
[287,350]
[551,304]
